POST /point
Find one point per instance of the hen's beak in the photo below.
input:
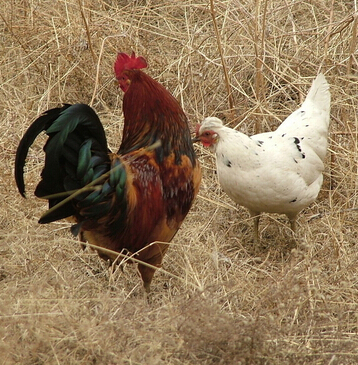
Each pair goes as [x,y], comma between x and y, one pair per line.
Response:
[196,138]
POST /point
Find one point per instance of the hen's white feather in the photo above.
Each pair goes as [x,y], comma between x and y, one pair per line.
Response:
[280,171]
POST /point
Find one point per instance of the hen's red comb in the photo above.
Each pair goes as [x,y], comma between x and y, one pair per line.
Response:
[125,62]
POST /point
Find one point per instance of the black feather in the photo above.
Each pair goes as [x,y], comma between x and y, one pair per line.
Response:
[39,125]
[76,154]
[84,159]
[78,120]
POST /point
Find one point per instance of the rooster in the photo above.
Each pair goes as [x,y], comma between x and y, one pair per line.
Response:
[133,201]
[279,171]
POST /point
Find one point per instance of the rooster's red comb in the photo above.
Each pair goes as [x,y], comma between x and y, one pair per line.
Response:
[125,62]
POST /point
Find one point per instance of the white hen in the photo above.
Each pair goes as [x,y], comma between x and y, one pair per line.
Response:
[274,172]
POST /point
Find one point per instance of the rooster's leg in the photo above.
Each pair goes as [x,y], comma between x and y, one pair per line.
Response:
[147,275]
[152,259]
[82,240]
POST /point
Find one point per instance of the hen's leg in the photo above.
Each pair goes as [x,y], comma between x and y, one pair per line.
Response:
[293,228]
[293,224]
[256,217]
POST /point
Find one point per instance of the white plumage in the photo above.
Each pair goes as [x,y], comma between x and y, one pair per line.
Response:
[274,172]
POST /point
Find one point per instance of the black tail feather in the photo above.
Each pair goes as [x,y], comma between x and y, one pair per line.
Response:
[76,153]
[40,124]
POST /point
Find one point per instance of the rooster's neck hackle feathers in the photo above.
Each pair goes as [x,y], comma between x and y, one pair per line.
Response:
[151,113]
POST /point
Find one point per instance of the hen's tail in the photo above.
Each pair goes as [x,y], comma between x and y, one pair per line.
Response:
[312,117]
[319,94]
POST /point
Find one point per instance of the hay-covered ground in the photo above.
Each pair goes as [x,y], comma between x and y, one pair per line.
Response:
[218,298]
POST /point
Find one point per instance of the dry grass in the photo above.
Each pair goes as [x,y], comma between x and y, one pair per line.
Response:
[218,298]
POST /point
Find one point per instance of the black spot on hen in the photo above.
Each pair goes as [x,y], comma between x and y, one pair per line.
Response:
[227,163]
[297,141]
